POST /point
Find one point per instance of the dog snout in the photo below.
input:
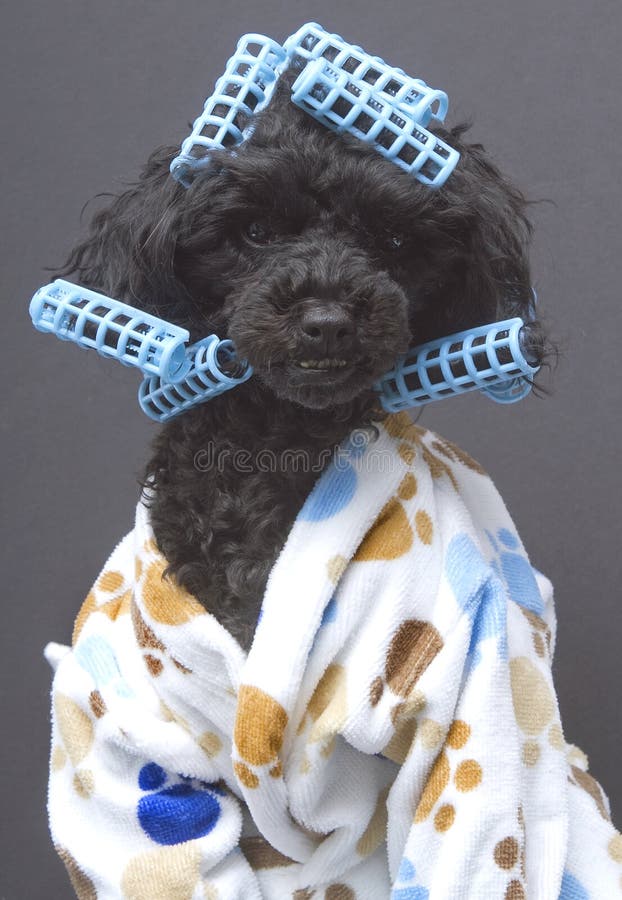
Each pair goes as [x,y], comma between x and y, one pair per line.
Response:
[328,330]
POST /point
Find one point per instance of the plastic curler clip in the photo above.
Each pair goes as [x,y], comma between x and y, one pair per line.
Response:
[422,103]
[114,329]
[245,87]
[345,105]
[493,358]
[214,369]
[341,85]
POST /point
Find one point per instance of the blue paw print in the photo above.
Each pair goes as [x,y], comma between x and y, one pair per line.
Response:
[331,493]
[516,571]
[572,889]
[97,657]
[330,611]
[179,812]
[478,590]
[337,485]
[404,890]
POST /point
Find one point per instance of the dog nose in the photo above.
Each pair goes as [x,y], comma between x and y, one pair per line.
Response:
[327,330]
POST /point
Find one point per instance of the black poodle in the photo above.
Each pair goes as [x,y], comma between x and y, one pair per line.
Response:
[322,261]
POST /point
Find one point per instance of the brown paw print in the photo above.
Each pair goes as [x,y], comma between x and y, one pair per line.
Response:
[262,855]
[411,650]
[156,653]
[411,439]
[81,883]
[456,454]
[540,633]
[467,777]
[509,856]
[333,892]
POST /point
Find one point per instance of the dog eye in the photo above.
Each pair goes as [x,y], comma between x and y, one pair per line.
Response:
[259,233]
[394,241]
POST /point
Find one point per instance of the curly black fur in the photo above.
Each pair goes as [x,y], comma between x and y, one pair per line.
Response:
[299,245]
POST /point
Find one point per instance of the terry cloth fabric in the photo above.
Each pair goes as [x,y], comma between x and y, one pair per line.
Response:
[393,731]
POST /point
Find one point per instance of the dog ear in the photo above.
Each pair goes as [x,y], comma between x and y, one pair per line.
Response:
[129,250]
[485,217]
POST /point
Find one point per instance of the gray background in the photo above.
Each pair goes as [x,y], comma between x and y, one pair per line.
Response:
[90,88]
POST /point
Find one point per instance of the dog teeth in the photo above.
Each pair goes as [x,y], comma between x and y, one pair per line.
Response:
[322,363]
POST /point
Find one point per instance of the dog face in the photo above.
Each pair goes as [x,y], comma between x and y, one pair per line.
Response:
[318,258]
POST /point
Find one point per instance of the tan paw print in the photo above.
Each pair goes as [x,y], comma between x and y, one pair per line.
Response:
[589,784]
[109,595]
[77,732]
[534,708]
[327,712]
[166,872]
[467,777]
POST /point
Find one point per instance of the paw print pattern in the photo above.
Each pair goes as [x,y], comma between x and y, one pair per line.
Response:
[540,634]
[572,889]
[392,534]
[175,813]
[98,657]
[411,437]
[333,892]
[467,777]
[534,708]
[163,599]
[509,856]
[589,784]
[258,735]
[173,871]
[406,887]
[515,570]
[109,595]
[80,881]
[412,648]
[479,592]
[155,653]
[338,483]
[327,712]
[77,734]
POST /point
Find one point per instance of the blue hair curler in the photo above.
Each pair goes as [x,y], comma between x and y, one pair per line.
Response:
[114,329]
[245,87]
[205,379]
[345,105]
[422,103]
[493,358]
[341,86]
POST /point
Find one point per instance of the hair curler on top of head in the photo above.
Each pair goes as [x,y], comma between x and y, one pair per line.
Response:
[341,85]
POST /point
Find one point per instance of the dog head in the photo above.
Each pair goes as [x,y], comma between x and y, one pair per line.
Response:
[321,260]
